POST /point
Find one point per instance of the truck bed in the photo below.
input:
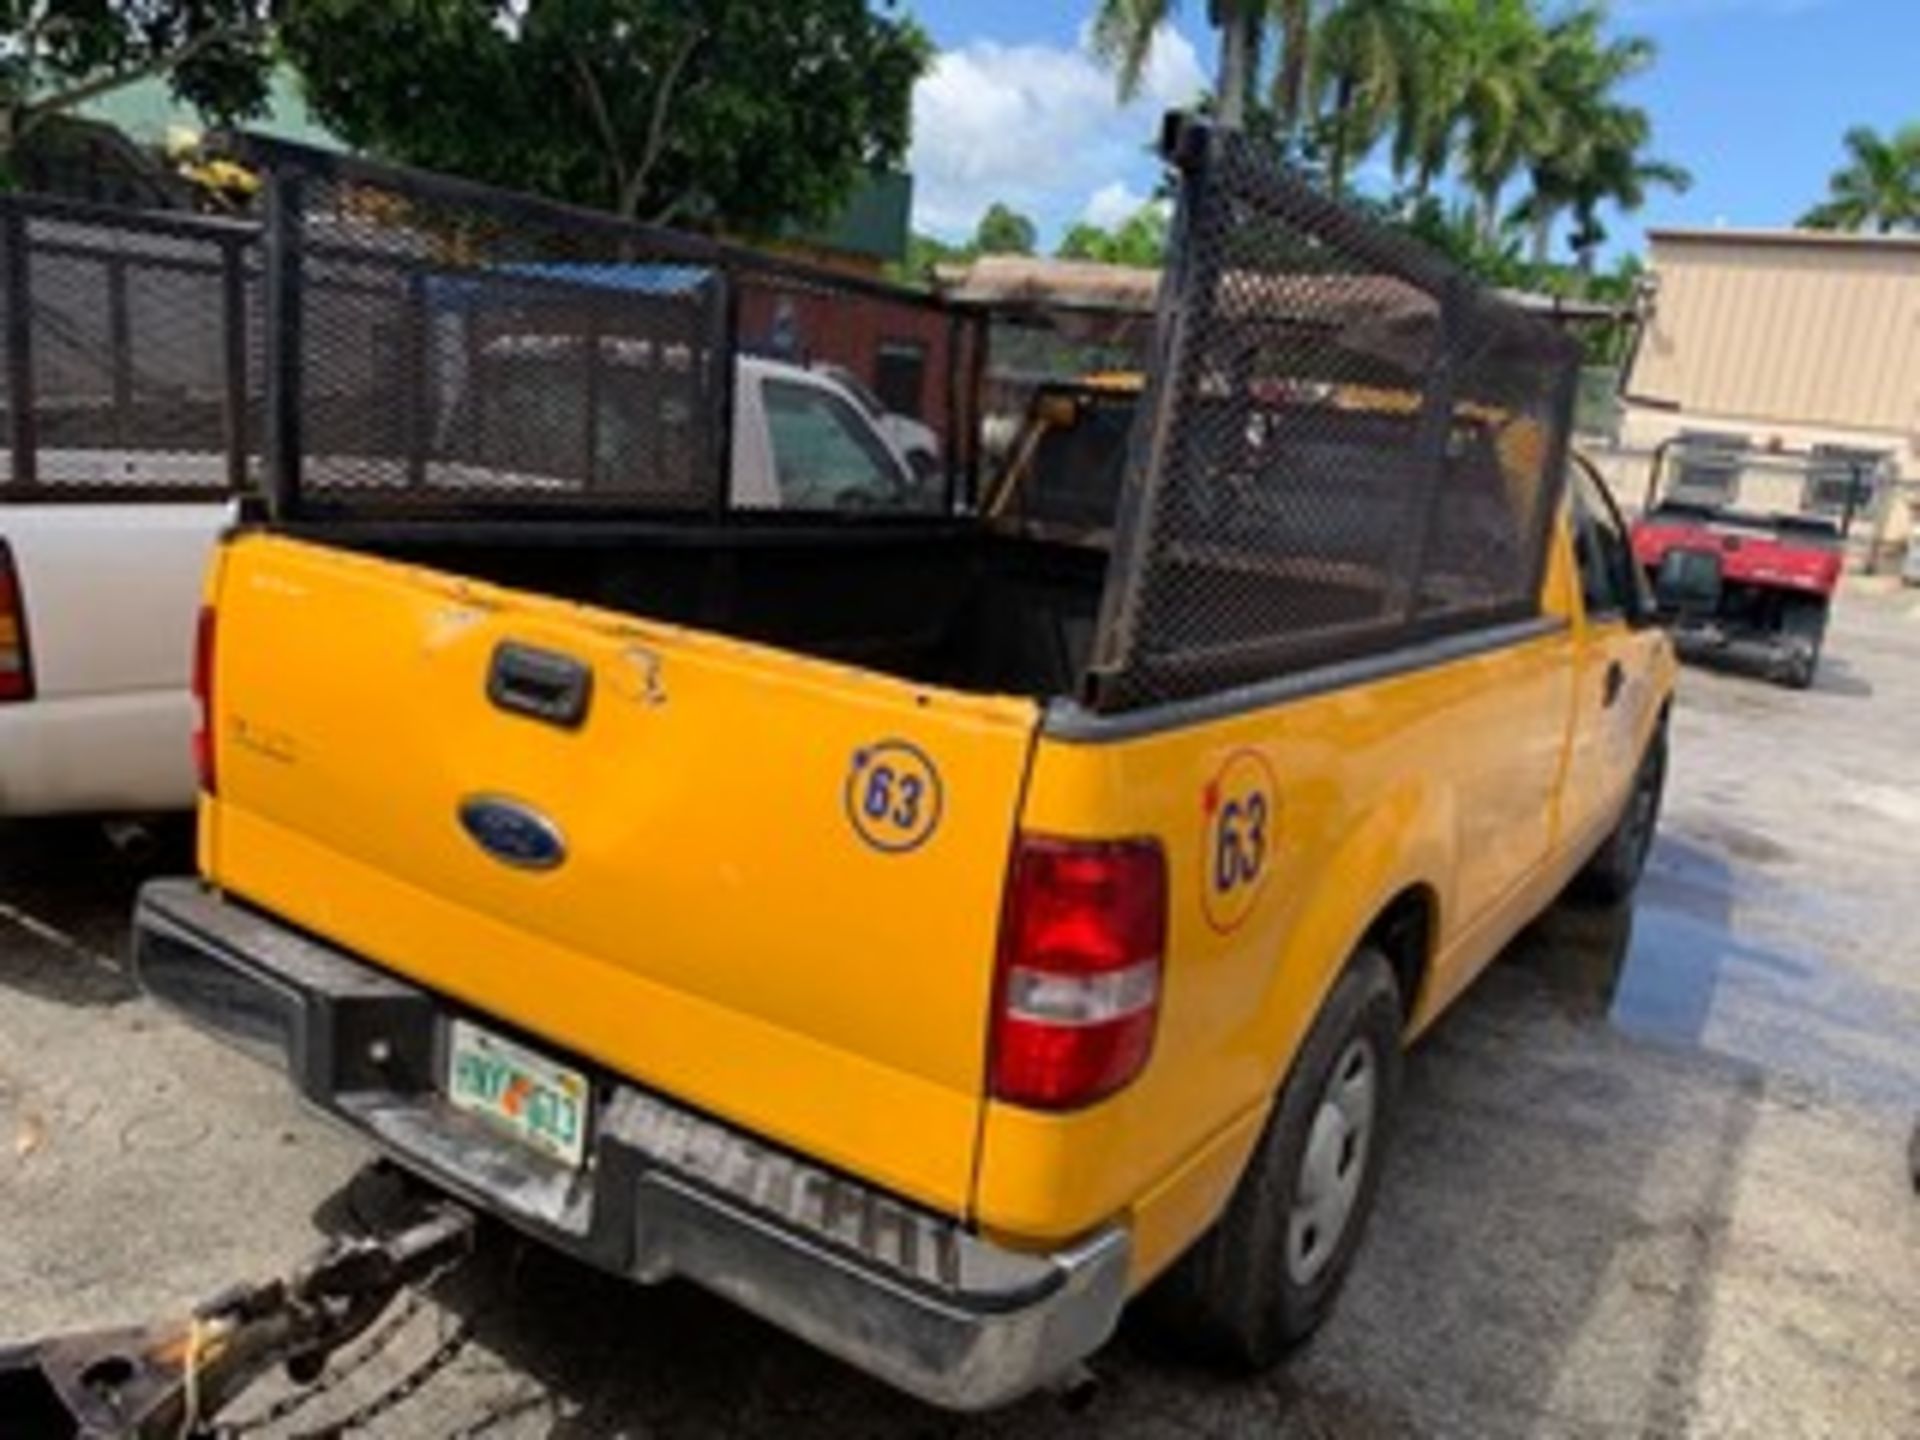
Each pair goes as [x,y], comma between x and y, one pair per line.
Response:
[947,603]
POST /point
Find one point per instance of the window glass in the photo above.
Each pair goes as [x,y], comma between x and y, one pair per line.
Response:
[825,456]
[1706,468]
[1840,474]
[1601,546]
[901,375]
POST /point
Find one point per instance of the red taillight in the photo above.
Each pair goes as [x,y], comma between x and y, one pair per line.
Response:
[16,661]
[1080,961]
[203,699]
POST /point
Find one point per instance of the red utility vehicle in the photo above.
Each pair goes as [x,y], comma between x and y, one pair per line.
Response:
[1735,572]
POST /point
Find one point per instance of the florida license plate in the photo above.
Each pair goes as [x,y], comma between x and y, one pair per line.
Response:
[541,1104]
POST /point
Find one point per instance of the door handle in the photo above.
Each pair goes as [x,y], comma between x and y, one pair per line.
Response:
[1616,682]
[540,684]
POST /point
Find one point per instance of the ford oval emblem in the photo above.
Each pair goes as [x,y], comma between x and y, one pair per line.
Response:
[512,833]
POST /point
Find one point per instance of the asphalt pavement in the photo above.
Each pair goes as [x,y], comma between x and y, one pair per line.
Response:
[1650,1177]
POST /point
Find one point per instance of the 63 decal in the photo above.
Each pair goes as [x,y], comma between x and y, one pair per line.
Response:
[1239,820]
[893,797]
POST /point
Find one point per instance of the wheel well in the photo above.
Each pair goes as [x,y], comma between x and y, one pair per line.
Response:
[1403,932]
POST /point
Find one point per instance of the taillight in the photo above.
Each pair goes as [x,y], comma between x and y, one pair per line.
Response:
[203,699]
[1080,961]
[16,661]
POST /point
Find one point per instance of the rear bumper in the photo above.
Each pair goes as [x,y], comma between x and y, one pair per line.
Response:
[1711,640]
[901,1293]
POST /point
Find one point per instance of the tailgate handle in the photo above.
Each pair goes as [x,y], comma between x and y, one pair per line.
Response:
[540,684]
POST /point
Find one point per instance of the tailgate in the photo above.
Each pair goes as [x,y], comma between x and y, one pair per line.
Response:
[767,885]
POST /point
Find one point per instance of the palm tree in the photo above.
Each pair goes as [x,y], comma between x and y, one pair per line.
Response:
[1366,64]
[1586,146]
[1617,172]
[1879,186]
[1123,33]
[1492,55]
[1295,20]
[1427,123]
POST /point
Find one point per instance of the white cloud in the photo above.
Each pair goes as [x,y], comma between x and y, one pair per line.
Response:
[1027,124]
[1113,204]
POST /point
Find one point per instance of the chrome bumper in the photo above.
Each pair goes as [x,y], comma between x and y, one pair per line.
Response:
[904,1294]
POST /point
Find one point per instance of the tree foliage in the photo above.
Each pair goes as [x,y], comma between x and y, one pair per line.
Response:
[1004,231]
[1878,188]
[1141,239]
[1367,62]
[728,113]
[56,55]
[1482,93]
[1124,31]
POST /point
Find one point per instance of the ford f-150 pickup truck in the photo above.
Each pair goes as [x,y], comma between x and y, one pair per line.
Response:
[932,933]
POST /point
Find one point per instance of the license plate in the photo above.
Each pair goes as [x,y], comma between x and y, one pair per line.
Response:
[539,1103]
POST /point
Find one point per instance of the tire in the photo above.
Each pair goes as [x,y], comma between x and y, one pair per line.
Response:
[1262,1280]
[1613,874]
[1803,629]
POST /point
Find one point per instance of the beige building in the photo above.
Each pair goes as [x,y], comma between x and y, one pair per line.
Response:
[1788,339]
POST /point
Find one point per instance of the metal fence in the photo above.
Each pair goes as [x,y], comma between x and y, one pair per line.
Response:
[131,344]
[1345,445]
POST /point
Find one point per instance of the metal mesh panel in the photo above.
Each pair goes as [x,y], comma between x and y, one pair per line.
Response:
[1344,446]
[438,345]
[126,345]
[444,347]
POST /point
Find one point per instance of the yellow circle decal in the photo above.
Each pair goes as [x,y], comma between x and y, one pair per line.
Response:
[1237,812]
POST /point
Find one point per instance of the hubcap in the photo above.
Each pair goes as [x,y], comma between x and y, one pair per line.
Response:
[1333,1164]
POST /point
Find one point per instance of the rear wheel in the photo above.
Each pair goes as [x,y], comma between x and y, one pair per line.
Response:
[1615,869]
[1803,630]
[1265,1277]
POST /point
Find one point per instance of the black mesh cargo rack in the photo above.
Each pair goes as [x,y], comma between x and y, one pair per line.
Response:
[387,344]
[128,338]
[436,347]
[1345,446]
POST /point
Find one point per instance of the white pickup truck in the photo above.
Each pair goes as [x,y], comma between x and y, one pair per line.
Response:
[98,596]
[97,601]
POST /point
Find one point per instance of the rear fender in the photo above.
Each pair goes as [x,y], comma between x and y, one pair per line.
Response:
[1402,843]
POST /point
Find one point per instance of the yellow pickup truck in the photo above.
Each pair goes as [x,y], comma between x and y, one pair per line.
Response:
[929,932]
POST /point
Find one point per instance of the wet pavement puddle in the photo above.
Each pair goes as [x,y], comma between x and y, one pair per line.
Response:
[1716,957]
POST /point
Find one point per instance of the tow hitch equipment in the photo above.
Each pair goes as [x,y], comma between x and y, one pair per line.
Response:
[175,1378]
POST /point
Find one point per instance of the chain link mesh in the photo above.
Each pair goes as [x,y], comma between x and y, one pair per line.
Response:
[1344,445]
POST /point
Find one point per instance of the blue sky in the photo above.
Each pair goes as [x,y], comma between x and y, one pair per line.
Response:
[1750,95]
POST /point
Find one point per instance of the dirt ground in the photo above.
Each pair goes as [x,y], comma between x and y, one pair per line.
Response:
[1650,1176]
